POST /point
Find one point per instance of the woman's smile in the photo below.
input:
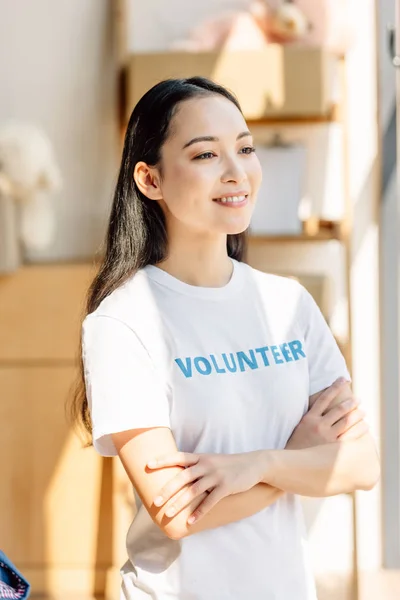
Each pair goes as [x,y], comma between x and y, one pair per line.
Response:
[237,200]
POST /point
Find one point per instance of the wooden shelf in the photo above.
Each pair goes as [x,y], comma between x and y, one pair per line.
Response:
[286,121]
[304,237]
[273,121]
[323,231]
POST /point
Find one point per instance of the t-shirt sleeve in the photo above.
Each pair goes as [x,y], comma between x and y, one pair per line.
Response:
[123,388]
[325,360]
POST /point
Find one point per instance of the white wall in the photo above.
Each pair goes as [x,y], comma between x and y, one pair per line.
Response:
[56,70]
[156,23]
[364,179]
[390,256]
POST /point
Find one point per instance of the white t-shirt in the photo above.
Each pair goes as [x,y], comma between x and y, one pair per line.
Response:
[229,370]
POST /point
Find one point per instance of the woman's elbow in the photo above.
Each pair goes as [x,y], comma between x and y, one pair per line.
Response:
[368,470]
[174,532]
[371,476]
[173,528]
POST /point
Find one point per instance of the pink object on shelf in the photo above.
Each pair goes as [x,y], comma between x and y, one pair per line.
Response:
[330,21]
[233,30]
[324,23]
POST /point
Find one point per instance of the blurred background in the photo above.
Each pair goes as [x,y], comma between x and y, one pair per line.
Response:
[317,83]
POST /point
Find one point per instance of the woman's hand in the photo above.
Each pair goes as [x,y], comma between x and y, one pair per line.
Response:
[222,475]
[219,475]
[324,425]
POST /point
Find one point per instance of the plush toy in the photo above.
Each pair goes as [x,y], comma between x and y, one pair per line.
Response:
[29,175]
[228,30]
[333,26]
[285,23]
[322,23]
[252,29]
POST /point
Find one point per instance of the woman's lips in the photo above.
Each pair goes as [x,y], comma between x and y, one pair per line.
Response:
[234,201]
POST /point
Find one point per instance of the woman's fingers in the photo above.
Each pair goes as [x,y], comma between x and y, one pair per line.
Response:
[340,410]
[177,483]
[347,422]
[355,432]
[194,491]
[178,459]
[325,399]
[208,503]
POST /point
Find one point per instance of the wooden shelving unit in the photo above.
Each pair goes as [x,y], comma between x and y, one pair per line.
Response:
[315,230]
[303,237]
[333,116]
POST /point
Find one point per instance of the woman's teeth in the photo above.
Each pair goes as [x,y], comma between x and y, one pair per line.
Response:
[231,199]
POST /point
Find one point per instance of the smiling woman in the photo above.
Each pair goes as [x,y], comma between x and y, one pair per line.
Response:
[187,348]
[201,174]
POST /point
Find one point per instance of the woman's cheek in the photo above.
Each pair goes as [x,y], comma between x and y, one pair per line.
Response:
[255,172]
[184,177]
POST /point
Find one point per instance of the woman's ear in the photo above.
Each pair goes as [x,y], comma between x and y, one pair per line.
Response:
[148,181]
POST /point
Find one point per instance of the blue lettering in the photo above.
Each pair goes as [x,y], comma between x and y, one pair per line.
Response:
[243,361]
[263,351]
[285,351]
[201,360]
[186,370]
[214,362]
[296,349]
[276,355]
[251,362]
[232,368]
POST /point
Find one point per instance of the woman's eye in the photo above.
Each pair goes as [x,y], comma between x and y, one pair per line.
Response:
[248,150]
[204,155]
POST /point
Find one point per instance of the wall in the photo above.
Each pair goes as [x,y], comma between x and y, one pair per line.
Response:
[154,25]
[390,255]
[364,177]
[56,70]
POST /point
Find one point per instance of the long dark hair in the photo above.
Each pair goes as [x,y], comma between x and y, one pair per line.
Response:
[136,234]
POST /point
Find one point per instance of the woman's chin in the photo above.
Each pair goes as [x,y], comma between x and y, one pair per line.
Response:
[237,231]
[236,228]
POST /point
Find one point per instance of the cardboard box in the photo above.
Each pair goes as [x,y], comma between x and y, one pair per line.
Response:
[282,81]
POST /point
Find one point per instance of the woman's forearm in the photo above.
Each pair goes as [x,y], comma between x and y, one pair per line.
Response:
[228,510]
[324,470]
[136,448]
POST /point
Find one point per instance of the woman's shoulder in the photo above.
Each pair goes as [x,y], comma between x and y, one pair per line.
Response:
[129,319]
[281,297]
[131,303]
[272,283]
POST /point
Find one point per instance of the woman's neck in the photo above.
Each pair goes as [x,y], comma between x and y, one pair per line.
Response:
[202,264]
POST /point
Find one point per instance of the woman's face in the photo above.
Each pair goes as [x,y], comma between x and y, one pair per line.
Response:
[210,173]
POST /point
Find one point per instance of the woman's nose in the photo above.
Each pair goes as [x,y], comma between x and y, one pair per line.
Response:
[233,172]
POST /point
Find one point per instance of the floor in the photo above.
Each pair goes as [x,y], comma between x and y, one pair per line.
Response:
[383,585]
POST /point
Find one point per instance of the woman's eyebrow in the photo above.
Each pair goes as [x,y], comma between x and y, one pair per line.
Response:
[211,138]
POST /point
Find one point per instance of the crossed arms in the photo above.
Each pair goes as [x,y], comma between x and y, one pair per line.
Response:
[330,452]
